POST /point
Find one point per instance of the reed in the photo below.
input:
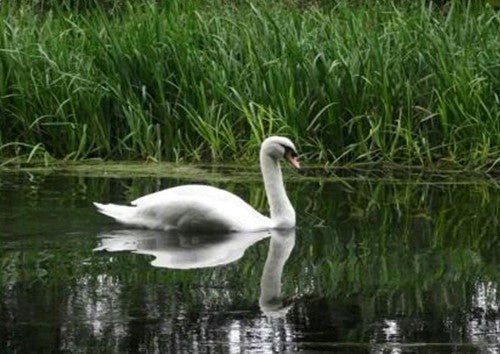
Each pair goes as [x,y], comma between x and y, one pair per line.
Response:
[391,82]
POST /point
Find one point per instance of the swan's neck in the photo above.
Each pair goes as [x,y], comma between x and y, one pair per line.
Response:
[282,212]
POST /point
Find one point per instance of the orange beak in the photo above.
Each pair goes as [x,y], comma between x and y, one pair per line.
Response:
[293,160]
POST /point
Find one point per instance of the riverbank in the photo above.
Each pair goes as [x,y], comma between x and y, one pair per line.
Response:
[249,172]
[393,83]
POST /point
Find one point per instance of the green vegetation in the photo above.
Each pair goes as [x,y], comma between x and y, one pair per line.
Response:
[399,82]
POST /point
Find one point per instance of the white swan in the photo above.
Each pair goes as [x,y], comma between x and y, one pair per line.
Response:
[199,207]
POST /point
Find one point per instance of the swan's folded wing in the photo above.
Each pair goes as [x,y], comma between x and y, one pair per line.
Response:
[186,191]
[199,212]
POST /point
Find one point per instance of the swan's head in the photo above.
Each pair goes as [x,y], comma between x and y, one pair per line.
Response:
[278,147]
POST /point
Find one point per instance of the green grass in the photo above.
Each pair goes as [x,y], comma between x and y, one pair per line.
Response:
[401,82]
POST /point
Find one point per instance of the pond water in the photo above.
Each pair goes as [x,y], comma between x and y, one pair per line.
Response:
[373,267]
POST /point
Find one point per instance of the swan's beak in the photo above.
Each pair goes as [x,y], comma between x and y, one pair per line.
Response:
[293,159]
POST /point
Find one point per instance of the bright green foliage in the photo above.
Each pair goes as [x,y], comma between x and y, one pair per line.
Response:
[404,83]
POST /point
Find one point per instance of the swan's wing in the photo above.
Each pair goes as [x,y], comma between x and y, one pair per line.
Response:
[198,207]
[190,190]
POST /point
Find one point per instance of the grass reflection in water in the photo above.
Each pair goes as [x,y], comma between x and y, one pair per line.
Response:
[373,262]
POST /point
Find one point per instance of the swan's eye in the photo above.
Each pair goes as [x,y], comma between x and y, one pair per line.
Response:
[290,151]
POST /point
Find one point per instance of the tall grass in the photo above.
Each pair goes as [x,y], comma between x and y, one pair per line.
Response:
[387,82]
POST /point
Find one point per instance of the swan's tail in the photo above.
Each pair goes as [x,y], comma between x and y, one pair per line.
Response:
[121,213]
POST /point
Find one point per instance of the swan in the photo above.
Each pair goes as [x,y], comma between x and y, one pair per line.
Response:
[206,208]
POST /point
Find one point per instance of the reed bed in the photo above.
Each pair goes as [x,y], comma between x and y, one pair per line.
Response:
[385,82]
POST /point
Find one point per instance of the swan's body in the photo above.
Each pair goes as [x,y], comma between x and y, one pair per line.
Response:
[200,207]
[189,207]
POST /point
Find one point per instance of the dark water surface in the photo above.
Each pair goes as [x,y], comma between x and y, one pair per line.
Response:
[373,267]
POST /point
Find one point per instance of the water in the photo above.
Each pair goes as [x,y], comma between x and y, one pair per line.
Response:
[373,267]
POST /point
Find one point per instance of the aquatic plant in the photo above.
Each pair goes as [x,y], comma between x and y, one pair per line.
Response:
[399,82]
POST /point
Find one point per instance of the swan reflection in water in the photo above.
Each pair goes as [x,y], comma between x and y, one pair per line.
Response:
[190,251]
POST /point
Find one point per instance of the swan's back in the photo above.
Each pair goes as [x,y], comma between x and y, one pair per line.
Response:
[187,191]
